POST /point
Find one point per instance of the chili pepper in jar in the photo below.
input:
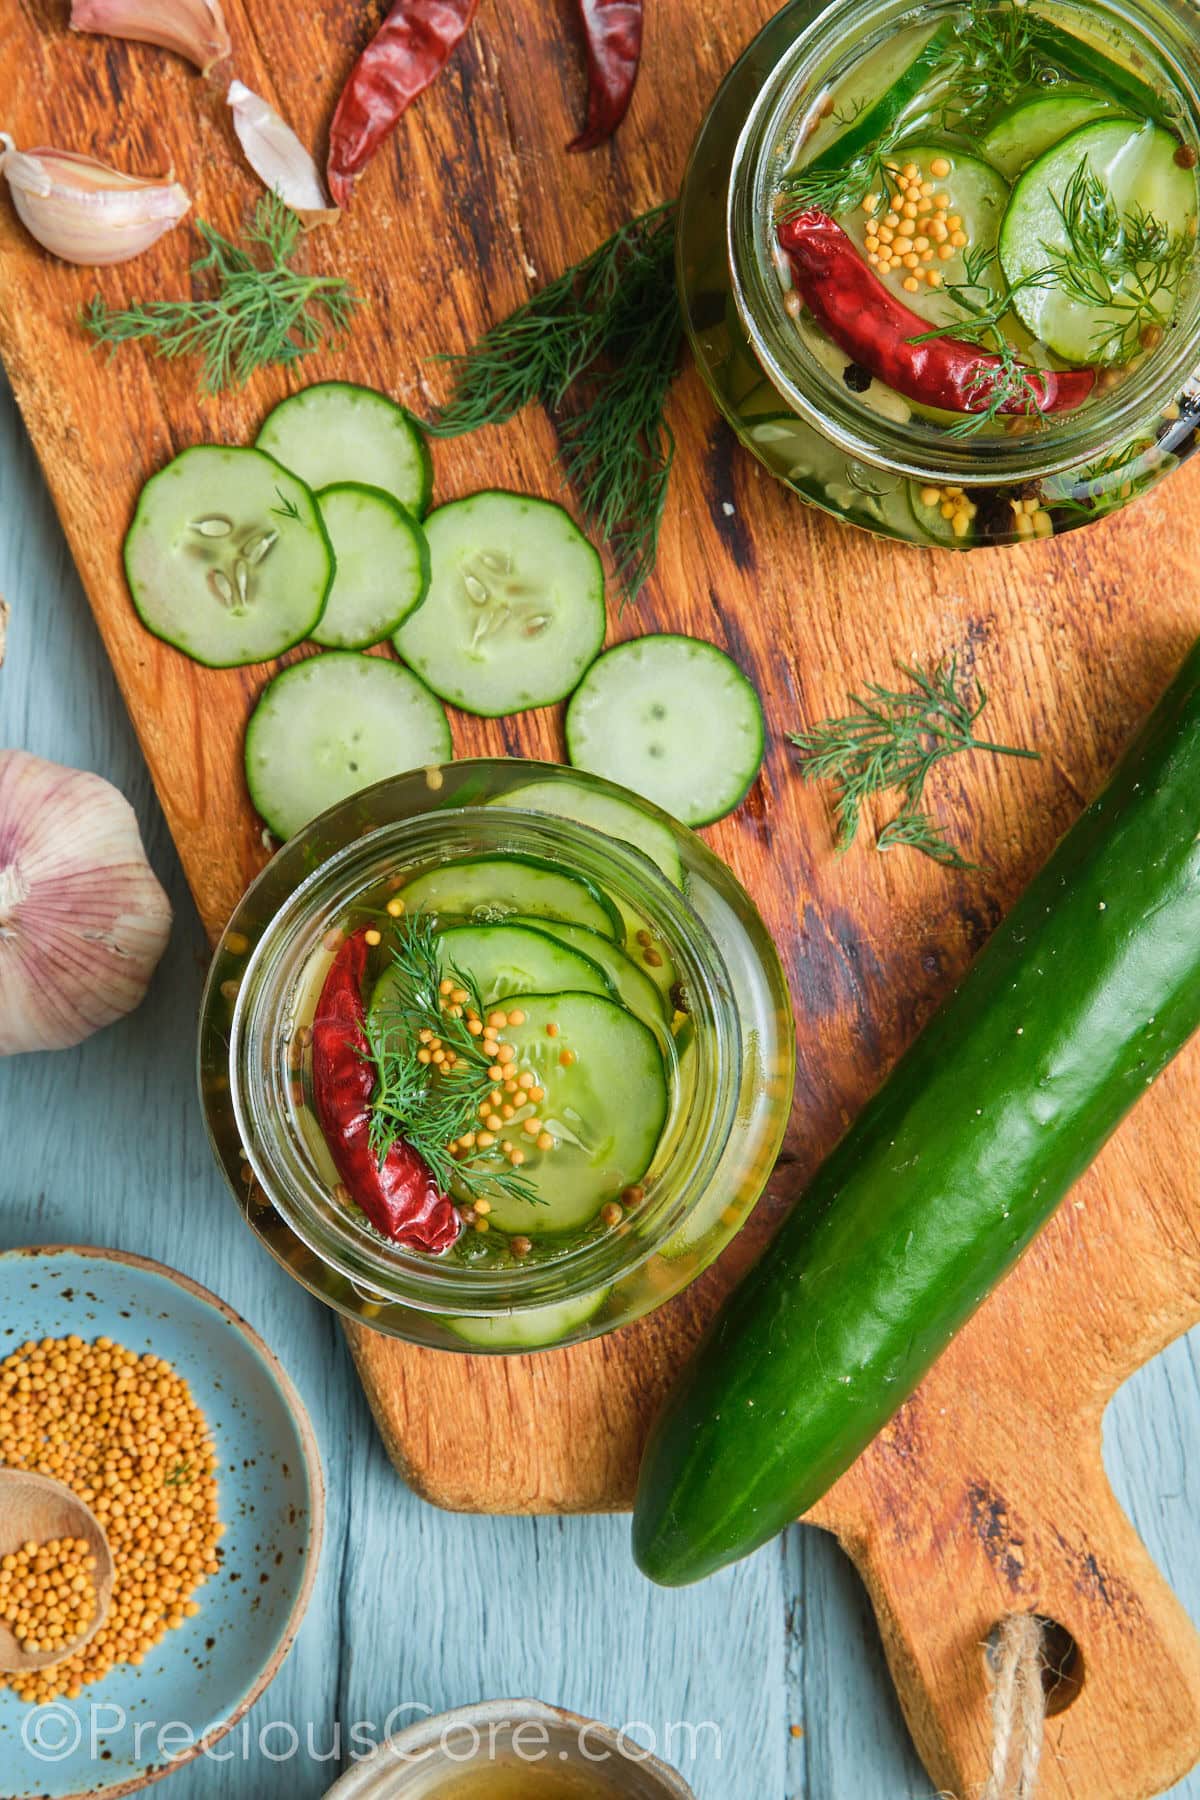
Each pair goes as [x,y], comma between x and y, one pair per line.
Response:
[879,334]
[399,1195]
[612,30]
[406,55]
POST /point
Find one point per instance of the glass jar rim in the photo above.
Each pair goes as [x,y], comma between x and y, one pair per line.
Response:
[386,1273]
[809,389]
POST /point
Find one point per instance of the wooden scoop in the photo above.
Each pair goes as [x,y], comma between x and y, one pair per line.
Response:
[35,1507]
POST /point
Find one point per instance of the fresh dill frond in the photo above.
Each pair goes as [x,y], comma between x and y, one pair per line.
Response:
[917,831]
[1129,264]
[844,188]
[425,1104]
[287,508]
[599,348]
[1007,389]
[1008,385]
[999,51]
[260,310]
[890,743]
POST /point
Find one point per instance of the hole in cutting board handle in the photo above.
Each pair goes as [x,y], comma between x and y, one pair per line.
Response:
[1062,1664]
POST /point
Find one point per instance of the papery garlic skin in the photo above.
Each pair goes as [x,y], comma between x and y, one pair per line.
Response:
[278,157]
[84,210]
[196,29]
[83,919]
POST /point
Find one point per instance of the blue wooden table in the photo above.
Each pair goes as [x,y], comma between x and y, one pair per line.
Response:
[416,1609]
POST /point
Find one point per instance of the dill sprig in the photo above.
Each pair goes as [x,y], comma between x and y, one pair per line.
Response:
[423,1103]
[891,743]
[999,50]
[1130,264]
[599,348]
[260,310]
[917,831]
[1010,386]
[835,190]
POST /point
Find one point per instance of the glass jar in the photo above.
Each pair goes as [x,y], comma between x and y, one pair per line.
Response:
[880,468]
[732,1057]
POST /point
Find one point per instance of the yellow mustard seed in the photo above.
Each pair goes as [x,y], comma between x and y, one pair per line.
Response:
[123,1432]
[395,908]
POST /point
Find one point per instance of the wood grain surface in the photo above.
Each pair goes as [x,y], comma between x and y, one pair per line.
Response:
[987,1493]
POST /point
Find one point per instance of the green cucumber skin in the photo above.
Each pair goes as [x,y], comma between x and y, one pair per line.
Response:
[1081,997]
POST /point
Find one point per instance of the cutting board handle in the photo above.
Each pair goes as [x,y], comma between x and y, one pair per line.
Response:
[948,1553]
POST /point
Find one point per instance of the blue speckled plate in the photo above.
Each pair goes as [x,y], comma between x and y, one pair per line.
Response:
[208,1673]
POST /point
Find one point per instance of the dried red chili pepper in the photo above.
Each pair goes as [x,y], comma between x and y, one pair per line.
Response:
[407,54]
[399,1196]
[872,327]
[612,30]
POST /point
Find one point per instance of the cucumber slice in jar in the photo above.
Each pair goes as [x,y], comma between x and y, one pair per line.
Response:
[977,195]
[335,431]
[501,961]
[1135,168]
[603,812]
[538,1328]
[487,889]
[900,73]
[515,608]
[227,557]
[672,718]
[634,988]
[605,1105]
[1023,132]
[382,566]
[332,724]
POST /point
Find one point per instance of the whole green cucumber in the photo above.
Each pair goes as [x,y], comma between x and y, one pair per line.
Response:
[1080,998]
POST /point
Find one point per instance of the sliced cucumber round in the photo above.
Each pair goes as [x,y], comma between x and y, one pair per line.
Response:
[227,557]
[605,1106]
[674,719]
[537,1328]
[334,431]
[501,961]
[1135,167]
[332,724]
[978,197]
[633,986]
[616,818]
[1025,131]
[382,566]
[515,609]
[487,889]
[901,74]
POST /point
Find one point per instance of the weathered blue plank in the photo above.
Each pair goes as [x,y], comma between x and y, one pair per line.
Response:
[415,1608]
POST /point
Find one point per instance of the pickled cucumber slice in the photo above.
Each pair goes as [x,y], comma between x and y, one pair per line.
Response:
[487,889]
[605,1105]
[501,961]
[634,988]
[616,818]
[1136,168]
[1025,131]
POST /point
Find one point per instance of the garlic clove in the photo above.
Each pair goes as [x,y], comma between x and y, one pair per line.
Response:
[84,210]
[194,28]
[83,919]
[278,157]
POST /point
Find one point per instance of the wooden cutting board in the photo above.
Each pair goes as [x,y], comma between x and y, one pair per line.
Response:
[987,1493]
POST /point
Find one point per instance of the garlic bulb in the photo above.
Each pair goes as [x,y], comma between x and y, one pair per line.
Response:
[83,920]
[278,157]
[85,211]
[195,28]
